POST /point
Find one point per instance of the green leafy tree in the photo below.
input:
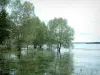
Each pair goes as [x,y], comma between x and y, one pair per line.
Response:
[35,32]
[28,29]
[61,35]
[40,34]
[20,14]
[4,26]
[4,34]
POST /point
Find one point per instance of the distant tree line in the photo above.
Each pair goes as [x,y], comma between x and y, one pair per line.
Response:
[86,42]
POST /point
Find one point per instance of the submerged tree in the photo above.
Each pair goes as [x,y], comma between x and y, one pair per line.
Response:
[28,30]
[61,35]
[20,14]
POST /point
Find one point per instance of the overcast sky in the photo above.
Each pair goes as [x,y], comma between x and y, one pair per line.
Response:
[82,15]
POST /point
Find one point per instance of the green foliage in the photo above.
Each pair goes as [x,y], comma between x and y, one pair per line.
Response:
[34,31]
[20,14]
[4,26]
[28,9]
[60,35]
[4,34]
[36,63]
[27,29]
[4,2]
[60,32]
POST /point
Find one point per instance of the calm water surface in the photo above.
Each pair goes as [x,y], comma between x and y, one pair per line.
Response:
[86,58]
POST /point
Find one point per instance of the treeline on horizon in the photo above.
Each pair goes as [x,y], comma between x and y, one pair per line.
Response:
[86,42]
[20,28]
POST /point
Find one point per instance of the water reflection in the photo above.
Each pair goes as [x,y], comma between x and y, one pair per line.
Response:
[83,61]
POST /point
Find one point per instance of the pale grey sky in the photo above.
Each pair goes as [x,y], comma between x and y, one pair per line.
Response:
[82,15]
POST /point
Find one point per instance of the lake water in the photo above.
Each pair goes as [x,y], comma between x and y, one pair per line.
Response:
[86,58]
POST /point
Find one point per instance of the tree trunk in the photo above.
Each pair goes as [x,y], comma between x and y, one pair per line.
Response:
[19,50]
[35,46]
[27,49]
[40,46]
[59,56]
